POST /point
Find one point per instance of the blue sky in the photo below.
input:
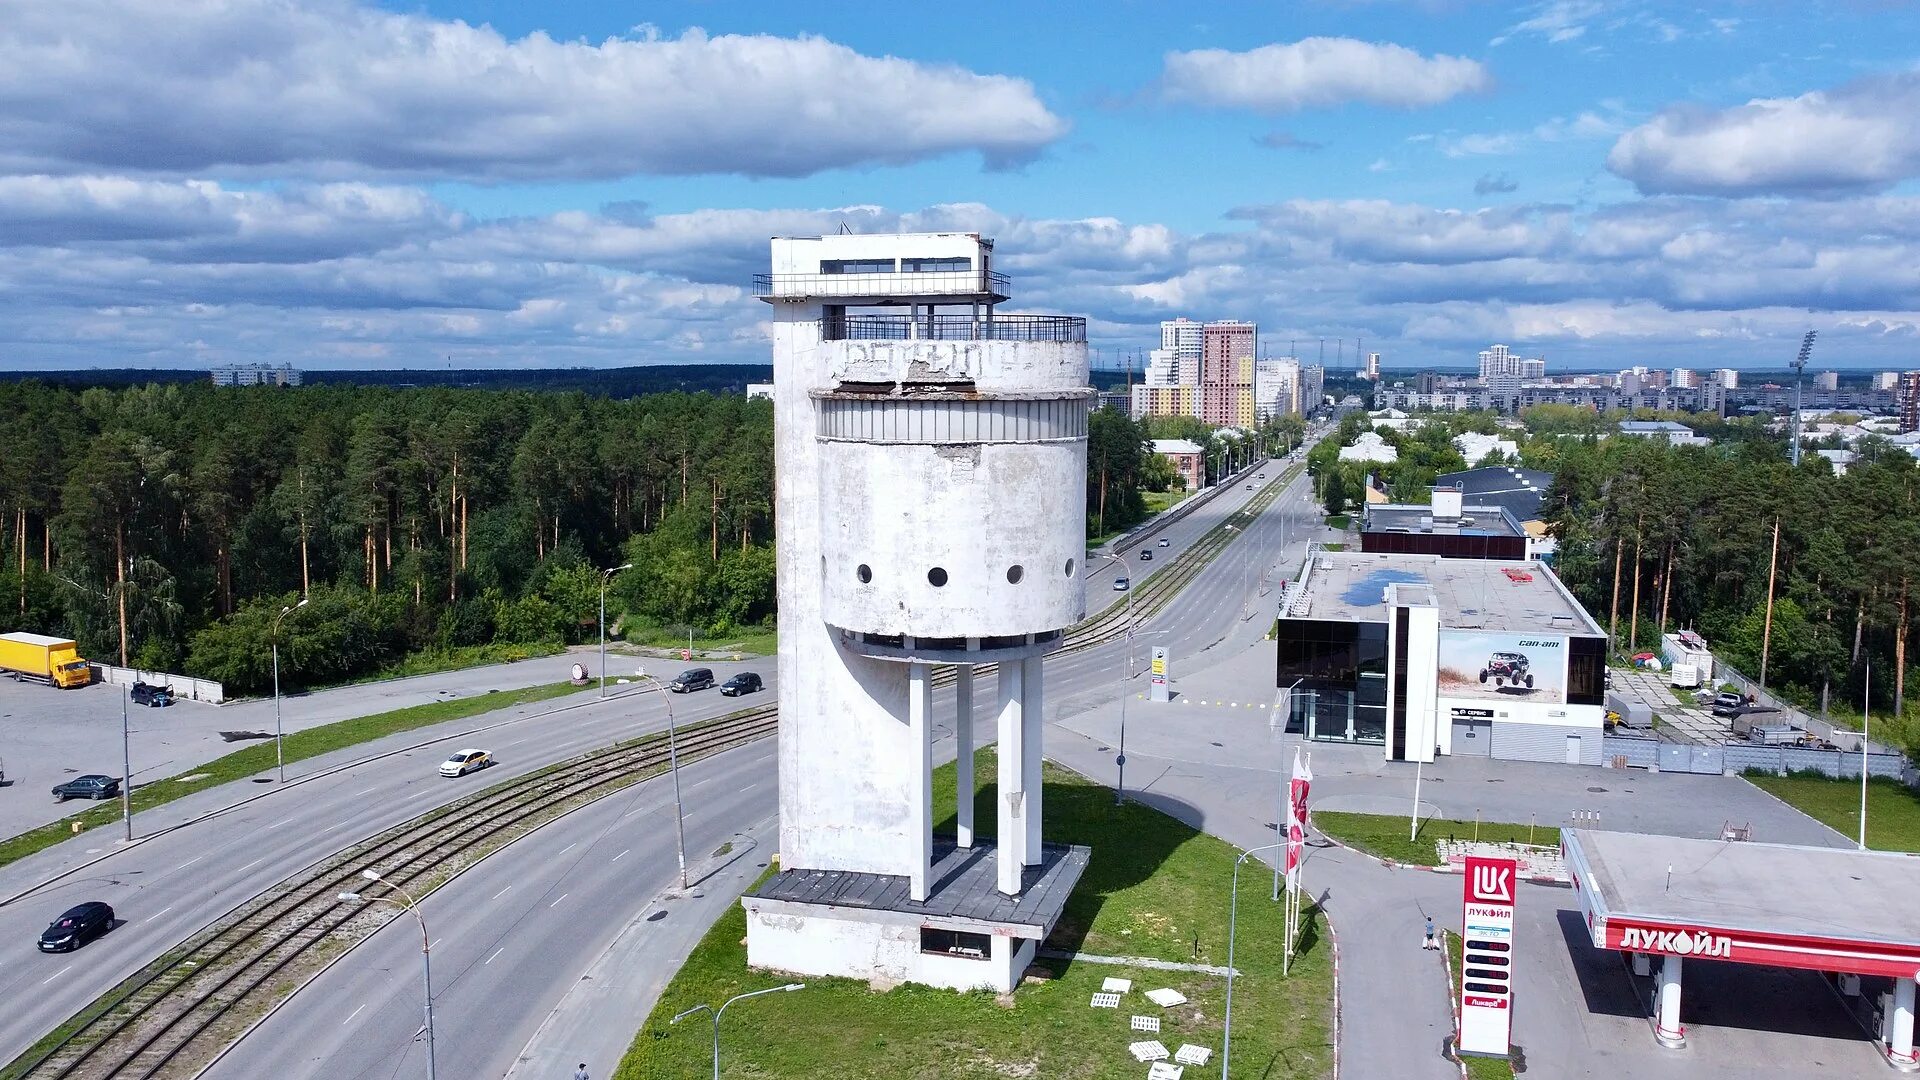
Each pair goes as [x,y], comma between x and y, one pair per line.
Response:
[343,185]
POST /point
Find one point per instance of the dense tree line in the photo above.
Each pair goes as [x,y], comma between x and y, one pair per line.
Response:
[168,525]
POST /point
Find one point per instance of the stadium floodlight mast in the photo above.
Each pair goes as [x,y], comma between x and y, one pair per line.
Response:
[1799,373]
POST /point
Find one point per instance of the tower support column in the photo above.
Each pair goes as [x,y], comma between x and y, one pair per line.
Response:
[1010,800]
[963,754]
[1031,717]
[920,809]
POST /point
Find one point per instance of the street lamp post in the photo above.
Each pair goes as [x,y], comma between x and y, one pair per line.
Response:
[1233,915]
[126,767]
[606,576]
[716,1013]
[1126,678]
[426,947]
[279,736]
[673,768]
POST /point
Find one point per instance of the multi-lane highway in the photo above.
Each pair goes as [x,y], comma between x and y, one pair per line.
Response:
[172,885]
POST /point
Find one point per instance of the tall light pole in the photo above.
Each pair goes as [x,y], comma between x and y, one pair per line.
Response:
[716,1013]
[1799,373]
[1866,705]
[279,735]
[1126,680]
[1233,915]
[606,576]
[673,767]
[426,946]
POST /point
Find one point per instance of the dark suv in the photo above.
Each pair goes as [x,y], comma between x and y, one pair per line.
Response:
[91,786]
[696,678]
[1505,668]
[157,697]
[744,683]
[79,925]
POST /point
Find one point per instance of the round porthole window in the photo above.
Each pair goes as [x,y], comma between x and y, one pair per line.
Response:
[864,573]
[937,577]
[1069,567]
[1015,573]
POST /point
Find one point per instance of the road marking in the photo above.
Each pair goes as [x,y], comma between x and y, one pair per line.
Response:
[421,794]
[250,866]
[750,787]
[569,847]
[56,975]
[277,824]
[189,862]
[352,1014]
[502,892]
[369,791]
[708,780]
[556,903]
[339,824]
[434,942]
[620,856]
[496,956]
[159,913]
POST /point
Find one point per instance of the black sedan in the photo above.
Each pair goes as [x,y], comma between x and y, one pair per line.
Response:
[744,683]
[79,925]
[91,786]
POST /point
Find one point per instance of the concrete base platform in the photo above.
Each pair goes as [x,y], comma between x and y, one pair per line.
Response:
[966,935]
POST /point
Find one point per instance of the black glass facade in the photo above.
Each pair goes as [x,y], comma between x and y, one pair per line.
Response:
[1341,668]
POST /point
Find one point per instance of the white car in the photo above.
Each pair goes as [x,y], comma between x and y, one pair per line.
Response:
[465,761]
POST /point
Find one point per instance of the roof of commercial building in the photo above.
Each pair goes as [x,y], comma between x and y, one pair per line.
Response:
[963,885]
[1518,491]
[1473,521]
[1472,594]
[1654,427]
[1175,446]
[1768,888]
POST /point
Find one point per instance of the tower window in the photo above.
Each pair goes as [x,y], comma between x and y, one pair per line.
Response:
[864,573]
[1015,573]
[1069,567]
[937,577]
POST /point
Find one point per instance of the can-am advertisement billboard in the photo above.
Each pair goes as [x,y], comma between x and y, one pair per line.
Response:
[1503,666]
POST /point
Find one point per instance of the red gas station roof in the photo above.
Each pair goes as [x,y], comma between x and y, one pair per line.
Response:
[1826,909]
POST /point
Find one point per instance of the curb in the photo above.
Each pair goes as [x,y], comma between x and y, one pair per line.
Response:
[1453,1003]
[290,785]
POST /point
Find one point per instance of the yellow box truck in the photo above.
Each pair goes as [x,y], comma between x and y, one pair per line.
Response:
[51,660]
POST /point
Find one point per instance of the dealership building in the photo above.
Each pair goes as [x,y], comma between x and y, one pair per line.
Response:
[1425,655]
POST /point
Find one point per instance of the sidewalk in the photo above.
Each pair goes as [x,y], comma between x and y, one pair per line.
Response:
[597,1019]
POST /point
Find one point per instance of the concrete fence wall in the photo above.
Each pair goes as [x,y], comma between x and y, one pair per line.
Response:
[184,687]
[1724,672]
[1738,757]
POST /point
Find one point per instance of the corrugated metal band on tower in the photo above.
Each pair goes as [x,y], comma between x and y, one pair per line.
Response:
[943,420]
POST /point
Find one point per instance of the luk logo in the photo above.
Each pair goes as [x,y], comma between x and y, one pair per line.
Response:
[1493,884]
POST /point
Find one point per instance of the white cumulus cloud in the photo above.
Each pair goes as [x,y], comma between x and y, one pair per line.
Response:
[330,88]
[1858,137]
[1319,71]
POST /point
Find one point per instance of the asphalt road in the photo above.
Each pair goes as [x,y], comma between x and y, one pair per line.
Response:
[167,887]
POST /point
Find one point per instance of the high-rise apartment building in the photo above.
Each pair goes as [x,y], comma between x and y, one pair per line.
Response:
[1907,397]
[1276,387]
[1227,349]
[1886,380]
[1684,378]
[1500,370]
[1729,378]
[1827,380]
[1373,366]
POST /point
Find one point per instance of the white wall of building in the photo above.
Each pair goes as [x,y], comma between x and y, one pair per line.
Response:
[887,945]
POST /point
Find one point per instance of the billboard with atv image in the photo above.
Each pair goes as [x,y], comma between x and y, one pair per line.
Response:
[1503,666]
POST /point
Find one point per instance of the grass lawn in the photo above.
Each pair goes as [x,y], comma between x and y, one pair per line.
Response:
[466,656]
[1160,501]
[1478,1068]
[750,641]
[1338,521]
[1893,809]
[259,758]
[1154,888]
[1386,836]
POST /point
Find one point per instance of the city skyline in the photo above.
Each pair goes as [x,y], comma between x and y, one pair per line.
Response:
[478,184]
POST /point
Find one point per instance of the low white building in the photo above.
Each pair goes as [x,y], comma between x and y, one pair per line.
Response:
[1673,431]
[1370,447]
[1476,447]
[1839,459]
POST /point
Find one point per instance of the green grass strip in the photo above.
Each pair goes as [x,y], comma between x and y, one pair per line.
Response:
[1385,835]
[1893,809]
[1478,1068]
[259,758]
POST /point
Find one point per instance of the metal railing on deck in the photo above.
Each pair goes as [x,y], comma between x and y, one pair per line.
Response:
[953,328]
[911,283]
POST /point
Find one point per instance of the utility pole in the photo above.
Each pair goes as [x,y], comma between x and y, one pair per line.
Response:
[1766,631]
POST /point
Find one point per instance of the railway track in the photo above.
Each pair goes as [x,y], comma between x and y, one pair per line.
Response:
[175,1015]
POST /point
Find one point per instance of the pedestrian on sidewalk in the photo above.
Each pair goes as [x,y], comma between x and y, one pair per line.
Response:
[1429,943]
[581,1073]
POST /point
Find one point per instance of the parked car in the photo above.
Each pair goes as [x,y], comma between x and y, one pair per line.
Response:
[1164,542]
[1507,668]
[1146,555]
[744,683]
[1121,584]
[155,697]
[1726,703]
[465,761]
[694,678]
[90,786]
[76,926]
